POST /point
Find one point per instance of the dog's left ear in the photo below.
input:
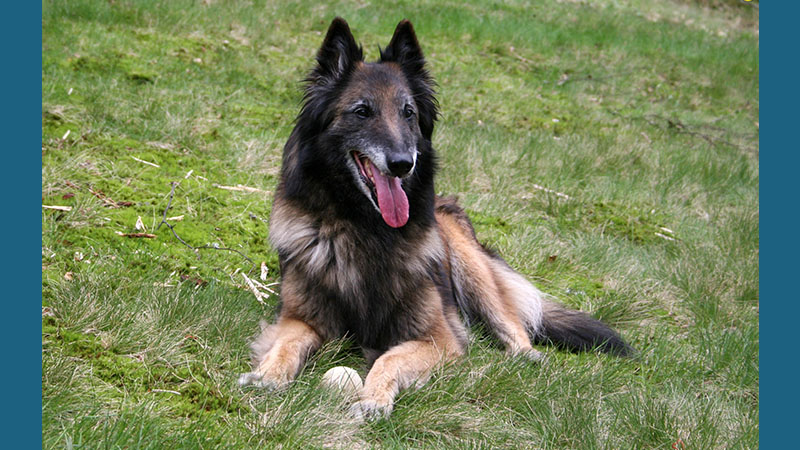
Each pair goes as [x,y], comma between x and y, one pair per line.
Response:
[404,48]
[405,51]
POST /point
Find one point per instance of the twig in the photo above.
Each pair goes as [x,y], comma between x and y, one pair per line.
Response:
[688,129]
[525,61]
[145,162]
[259,295]
[685,129]
[137,235]
[263,286]
[58,208]
[108,201]
[241,188]
[264,271]
[174,233]
[102,197]
[166,391]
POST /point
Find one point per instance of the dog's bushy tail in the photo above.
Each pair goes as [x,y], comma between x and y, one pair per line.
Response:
[577,331]
[550,323]
[488,289]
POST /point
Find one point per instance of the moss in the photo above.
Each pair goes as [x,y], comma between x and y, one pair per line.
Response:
[485,222]
[197,396]
[144,188]
[635,223]
[79,345]
[639,226]
[87,63]
[55,126]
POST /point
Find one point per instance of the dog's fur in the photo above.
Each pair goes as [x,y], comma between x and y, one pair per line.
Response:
[377,256]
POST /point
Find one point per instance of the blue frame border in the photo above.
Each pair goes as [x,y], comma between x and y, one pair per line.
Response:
[778,175]
[21,225]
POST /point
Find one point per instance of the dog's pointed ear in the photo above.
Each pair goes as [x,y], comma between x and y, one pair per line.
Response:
[405,51]
[404,48]
[338,54]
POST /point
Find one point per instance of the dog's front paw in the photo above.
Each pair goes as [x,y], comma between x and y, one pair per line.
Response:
[528,354]
[260,381]
[368,410]
[534,356]
[249,379]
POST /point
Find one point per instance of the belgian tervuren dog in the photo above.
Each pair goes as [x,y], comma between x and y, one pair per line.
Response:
[367,249]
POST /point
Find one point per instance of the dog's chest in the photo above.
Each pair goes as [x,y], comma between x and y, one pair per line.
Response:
[353,263]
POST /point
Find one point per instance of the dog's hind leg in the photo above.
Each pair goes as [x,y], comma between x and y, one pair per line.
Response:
[515,310]
[280,352]
[490,293]
[503,300]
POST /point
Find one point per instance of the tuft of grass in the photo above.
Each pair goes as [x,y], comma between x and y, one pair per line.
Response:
[608,150]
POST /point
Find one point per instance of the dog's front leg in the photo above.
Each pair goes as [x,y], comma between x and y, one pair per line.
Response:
[400,367]
[280,352]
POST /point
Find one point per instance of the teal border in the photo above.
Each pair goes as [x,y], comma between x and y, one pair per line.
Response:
[778,206]
[21,37]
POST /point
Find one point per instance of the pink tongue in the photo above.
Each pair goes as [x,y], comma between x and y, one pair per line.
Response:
[392,199]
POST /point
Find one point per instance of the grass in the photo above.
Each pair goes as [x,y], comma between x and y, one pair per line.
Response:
[642,115]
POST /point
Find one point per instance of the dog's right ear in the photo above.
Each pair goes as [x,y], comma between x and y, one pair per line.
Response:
[337,56]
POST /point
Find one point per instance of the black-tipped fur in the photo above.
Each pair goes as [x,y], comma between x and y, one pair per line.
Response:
[577,331]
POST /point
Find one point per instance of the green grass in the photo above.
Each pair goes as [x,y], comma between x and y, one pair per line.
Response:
[643,113]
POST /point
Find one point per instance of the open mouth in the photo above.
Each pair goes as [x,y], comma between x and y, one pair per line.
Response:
[391,198]
[362,162]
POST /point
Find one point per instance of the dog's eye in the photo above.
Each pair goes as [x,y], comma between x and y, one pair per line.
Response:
[408,112]
[362,112]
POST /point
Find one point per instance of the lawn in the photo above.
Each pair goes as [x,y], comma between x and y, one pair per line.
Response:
[609,150]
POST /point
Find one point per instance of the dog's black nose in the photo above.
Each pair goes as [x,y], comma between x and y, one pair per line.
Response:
[400,164]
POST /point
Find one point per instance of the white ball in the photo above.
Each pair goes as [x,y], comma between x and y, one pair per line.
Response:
[344,379]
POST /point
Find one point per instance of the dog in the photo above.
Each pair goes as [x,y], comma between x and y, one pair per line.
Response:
[366,248]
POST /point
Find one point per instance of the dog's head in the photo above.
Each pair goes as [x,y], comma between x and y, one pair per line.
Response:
[374,119]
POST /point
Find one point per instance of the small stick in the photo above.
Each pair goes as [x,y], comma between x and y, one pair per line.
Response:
[58,208]
[257,283]
[137,235]
[241,188]
[145,162]
[663,236]
[254,290]
[167,391]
